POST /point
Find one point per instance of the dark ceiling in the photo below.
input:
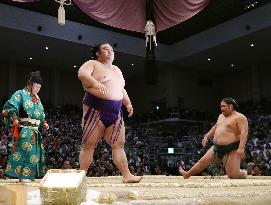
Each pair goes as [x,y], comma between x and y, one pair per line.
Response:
[218,11]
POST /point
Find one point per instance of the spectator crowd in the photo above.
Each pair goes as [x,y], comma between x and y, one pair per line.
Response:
[145,141]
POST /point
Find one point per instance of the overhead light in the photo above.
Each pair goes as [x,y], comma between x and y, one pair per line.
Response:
[30,58]
[250,4]
[232,65]
[252,44]
[46,48]
[132,64]
[209,59]
[74,66]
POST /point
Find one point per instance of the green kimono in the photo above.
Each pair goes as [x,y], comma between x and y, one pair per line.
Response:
[27,158]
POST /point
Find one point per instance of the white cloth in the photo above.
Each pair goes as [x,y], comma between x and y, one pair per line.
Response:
[150,33]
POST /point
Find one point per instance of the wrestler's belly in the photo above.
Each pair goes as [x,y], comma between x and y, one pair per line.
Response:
[224,138]
[115,91]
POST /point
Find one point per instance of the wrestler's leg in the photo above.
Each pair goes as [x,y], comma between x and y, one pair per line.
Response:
[207,159]
[115,136]
[92,132]
[232,166]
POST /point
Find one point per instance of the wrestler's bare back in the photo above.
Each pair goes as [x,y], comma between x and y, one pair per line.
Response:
[227,130]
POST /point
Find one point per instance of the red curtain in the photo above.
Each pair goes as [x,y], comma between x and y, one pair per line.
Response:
[25,1]
[125,14]
[131,14]
[169,13]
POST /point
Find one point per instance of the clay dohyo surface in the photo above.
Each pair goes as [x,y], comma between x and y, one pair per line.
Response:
[173,190]
[176,190]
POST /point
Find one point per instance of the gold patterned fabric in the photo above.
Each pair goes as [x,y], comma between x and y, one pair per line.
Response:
[27,159]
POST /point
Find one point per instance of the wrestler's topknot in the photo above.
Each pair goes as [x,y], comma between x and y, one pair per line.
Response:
[95,49]
[231,101]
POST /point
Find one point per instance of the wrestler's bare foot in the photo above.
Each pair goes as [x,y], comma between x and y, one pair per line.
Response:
[132,179]
[244,173]
[183,173]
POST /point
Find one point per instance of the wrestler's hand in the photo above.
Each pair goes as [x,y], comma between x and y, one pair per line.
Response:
[101,87]
[204,141]
[130,110]
[241,153]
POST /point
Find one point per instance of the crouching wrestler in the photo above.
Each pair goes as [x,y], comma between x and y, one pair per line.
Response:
[230,136]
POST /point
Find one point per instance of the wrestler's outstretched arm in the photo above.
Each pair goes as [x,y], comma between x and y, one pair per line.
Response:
[242,125]
[85,76]
[127,102]
[208,135]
